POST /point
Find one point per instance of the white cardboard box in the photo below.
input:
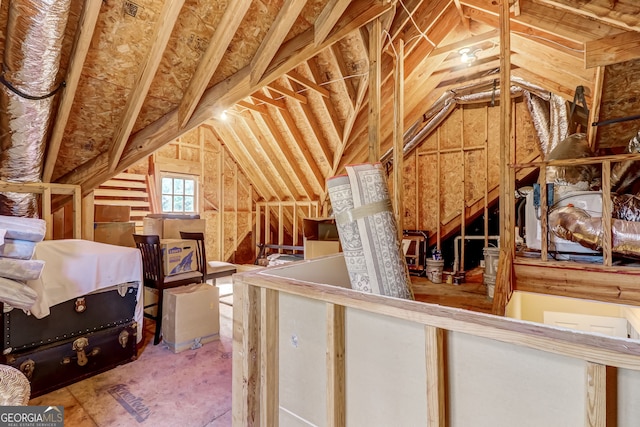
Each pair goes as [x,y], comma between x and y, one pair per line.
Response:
[190,316]
[178,256]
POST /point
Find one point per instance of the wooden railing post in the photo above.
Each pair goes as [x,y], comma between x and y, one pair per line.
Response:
[336,399]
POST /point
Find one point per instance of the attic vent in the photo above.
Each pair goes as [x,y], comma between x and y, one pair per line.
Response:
[130,8]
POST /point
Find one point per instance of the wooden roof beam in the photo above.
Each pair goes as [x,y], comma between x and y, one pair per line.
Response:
[288,93]
[81,44]
[328,104]
[311,163]
[327,19]
[594,11]
[261,152]
[162,32]
[253,107]
[210,60]
[309,84]
[278,30]
[345,79]
[260,96]
[464,19]
[310,118]
[228,92]
[612,50]
[286,152]
[253,170]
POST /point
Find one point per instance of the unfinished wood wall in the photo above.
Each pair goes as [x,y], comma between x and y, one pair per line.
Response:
[457,167]
[226,196]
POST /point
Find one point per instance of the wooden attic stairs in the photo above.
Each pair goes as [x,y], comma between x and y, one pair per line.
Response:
[127,189]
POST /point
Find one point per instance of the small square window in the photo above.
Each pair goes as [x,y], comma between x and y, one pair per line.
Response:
[179,194]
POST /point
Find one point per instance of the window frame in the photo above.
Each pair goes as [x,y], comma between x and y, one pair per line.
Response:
[183,176]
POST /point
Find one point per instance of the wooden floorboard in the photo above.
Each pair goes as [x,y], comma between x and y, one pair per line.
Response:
[471,295]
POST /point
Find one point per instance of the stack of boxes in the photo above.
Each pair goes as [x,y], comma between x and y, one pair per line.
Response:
[112,225]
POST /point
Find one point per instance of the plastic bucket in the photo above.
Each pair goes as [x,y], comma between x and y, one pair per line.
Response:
[491,257]
[490,281]
[434,270]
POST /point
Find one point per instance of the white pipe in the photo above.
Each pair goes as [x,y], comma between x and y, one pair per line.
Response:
[456,260]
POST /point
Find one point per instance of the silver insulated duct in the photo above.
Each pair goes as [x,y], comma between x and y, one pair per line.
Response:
[34,34]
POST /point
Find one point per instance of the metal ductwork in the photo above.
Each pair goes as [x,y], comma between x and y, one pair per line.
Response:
[34,35]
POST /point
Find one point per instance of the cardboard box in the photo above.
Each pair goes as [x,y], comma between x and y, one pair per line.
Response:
[178,256]
[114,233]
[320,237]
[190,316]
[104,213]
[170,228]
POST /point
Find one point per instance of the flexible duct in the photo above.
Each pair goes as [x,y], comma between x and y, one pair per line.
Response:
[486,92]
[578,226]
[35,31]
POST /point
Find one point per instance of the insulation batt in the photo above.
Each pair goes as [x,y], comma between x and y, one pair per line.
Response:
[578,226]
[626,207]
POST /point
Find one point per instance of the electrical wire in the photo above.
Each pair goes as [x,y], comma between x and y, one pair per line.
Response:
[416,25]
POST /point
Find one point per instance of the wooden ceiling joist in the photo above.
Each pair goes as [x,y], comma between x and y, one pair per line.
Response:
[277,32]
[81,44]
[210,60]
[287,92]
[262,109]
[260,96]
[307,83]
[345,77]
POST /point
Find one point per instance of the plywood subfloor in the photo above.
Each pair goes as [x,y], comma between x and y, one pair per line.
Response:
[471,295]
[160,388]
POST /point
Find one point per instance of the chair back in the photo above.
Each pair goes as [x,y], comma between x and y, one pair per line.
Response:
[201,255]
[149,246]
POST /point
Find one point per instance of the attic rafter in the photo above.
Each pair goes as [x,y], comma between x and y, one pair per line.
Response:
[309,84]
[260,96]
[612,50]
[288,93]
[402,19]
[609,16]
[317,131]
[228,92]
[261,154]
[467,42]
[286,152]
[463,18]
[328,18]
[347,82]
[271,156]
[253,170]
[302,146]
[162,32]
[262,109]
[84,34]
[210,60]
[328,104]
[277,32]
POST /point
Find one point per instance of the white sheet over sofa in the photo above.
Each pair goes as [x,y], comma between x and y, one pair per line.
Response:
[75,267]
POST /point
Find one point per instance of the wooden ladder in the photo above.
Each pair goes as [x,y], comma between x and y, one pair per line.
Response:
[127,189]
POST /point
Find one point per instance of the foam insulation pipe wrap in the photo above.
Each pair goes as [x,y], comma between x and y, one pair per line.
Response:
[32,51]
[482,92]
[578,226]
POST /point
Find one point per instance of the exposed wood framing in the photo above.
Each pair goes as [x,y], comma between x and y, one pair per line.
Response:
[398,154]
[82,42]
[612,50]
[328,18]
[277,32]
[336,393]
[269,363]
[375,52]
[209,62]
[436,393]
[162,32]
[594,111]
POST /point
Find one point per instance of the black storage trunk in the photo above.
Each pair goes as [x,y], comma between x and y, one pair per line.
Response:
[72,318]
[57,365]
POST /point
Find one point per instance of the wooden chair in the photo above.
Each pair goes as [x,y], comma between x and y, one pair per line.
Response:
[153,274]
[209,269]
